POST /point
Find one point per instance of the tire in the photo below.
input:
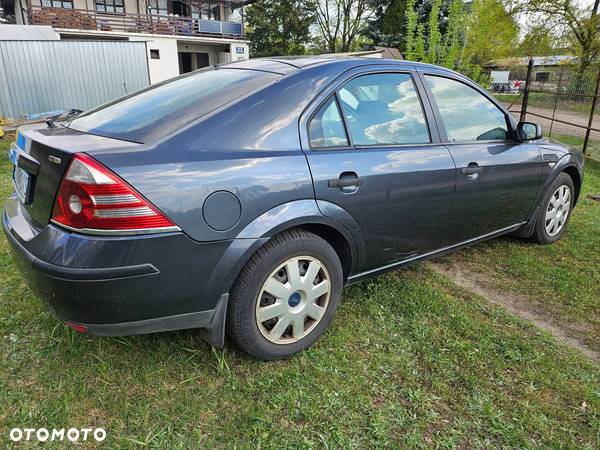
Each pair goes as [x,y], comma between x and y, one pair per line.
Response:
[304,315]
[554,200]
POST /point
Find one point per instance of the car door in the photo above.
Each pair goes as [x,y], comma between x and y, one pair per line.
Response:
[373,155]
[497,176]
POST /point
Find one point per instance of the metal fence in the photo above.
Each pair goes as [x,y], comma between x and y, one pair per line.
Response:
[563,100]
[41,77]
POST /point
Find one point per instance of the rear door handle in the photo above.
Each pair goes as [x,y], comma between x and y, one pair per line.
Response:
[345,182]
[472,169]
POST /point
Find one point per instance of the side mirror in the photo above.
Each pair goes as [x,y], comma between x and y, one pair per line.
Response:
[528,131]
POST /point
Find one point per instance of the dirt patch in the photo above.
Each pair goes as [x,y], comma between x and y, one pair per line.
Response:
[518,305]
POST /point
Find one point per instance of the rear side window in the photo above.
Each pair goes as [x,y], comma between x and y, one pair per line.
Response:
[326,128]
[160,109]
[467,114]
[384,109]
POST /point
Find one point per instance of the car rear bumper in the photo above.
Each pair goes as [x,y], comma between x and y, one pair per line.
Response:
[123,285]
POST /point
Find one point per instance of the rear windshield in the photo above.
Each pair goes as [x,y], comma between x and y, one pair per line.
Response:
[160,109]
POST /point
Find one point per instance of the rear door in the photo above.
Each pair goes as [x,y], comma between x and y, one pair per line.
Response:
[373,154]
[497,176]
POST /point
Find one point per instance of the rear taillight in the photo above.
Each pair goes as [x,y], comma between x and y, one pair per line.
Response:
[93,199]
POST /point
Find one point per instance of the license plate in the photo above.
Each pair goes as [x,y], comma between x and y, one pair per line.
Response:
[21,181]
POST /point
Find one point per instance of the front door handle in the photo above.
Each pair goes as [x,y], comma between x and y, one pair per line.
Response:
[346,179]
[472,169]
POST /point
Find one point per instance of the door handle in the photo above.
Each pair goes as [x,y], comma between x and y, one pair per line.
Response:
[346,179]
[472,169]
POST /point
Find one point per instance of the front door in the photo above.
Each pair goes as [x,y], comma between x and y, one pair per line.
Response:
[372,154]
[497,177]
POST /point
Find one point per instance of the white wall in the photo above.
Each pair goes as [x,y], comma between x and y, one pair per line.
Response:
[239,51]
[168,65]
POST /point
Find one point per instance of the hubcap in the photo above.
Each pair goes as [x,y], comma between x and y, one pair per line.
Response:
[293,300]
[558,209]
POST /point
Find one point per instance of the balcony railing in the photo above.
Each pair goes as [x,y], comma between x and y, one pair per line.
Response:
[83,19]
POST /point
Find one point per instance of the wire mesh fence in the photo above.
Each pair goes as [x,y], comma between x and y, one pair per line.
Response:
[562,99]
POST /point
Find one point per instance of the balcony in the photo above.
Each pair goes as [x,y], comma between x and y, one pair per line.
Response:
[83,19]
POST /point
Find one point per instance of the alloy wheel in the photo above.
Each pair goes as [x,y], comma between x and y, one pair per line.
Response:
[293,300]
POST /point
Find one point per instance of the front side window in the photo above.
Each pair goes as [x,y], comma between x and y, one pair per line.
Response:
[110,6]
[467,114]
[68,4]
[384,109]
[326,128]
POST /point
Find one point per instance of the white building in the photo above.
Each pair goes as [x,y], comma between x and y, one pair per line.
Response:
[180,35]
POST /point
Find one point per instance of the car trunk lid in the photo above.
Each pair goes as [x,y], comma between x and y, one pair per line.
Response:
[42,155]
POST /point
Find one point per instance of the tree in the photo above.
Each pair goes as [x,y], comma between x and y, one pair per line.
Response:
[411,31]
[491,33]
[280,27]
[580,22]
[453,37]
[539,41]
[434,38]
[341,21]
[387,25]
[458,40]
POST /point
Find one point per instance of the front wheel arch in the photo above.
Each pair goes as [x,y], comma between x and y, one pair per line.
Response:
[576,177]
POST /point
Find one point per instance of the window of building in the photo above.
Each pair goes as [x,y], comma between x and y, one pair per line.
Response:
[207,12]
[467,114]
[154,53]
[326,128]
[542,77]
[115,6]
[68,4]
[158,7]
[384,109]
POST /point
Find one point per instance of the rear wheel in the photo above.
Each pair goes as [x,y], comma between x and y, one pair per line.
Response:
[554,215]
[285,296]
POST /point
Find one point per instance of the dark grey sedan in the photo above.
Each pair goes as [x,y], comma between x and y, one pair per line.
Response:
[240,199]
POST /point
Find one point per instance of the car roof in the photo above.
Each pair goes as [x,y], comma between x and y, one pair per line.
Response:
[286,64]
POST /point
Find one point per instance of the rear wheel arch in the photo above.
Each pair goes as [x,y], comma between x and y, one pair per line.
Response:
[337,240]
[341,243]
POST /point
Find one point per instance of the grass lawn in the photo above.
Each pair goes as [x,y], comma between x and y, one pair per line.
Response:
[562,279]
[410,361]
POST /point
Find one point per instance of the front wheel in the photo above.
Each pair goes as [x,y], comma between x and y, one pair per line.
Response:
[285,296]
[553,216]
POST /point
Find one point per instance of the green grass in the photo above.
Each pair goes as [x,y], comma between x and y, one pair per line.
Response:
[593,148]
[563,279]
[411,361]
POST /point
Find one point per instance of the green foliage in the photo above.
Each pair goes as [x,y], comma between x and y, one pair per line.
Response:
[539,41]
[280,27]
[387,26]
[575,22]
[420,43]
[492,32]
[459,39]
[434,37]
[452,37]
[411,30]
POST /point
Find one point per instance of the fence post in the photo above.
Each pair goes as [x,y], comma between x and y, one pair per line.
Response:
[526,91]
[593,110]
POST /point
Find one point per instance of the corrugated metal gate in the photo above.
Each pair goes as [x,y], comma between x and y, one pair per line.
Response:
[38,77]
